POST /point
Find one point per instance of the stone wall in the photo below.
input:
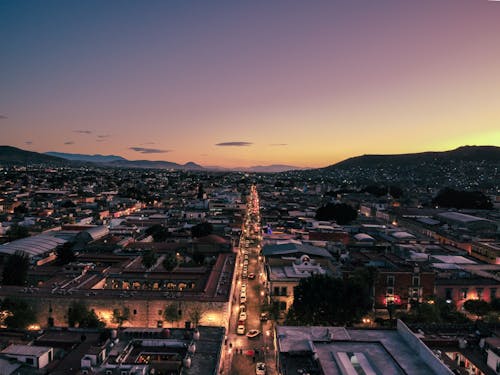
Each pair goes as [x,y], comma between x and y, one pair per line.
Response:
[143,313]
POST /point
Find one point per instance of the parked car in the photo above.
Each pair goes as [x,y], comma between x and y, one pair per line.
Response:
[243,315]
[243,299]
[260,368]
[253,333]
[241,329]
[251,276]
[264,316]
[243,308]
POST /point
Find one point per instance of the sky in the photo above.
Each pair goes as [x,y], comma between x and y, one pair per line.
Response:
[243,83]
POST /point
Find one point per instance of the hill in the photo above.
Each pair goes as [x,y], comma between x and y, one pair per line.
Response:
[97,158]
[14,155]
[461,154]
[153,164]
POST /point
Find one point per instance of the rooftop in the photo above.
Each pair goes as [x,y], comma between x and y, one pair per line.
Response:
[342,351]
[27,350]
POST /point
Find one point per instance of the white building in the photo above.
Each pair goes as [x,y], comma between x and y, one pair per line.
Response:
[35,356]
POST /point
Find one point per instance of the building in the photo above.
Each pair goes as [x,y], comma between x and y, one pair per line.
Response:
[34,356]
[469,222]
[488,252]
[286,264]
[345,351]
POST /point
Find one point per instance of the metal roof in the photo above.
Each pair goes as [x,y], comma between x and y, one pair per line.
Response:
[293,248]
[32,246]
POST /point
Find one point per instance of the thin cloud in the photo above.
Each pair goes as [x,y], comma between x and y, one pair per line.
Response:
[278,144]
[104,136]
[148,143]
[145,150]
[28,143]
[83,131]
[3,117]
[237,144]
[69,143]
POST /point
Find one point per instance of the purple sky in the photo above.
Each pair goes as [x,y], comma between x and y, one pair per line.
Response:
[240,83]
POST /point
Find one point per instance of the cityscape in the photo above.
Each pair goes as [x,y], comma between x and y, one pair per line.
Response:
[233,188]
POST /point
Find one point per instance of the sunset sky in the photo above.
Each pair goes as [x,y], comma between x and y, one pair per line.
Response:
[240,83]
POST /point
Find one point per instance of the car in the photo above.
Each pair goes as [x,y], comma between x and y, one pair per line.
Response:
[253,333]
[243,299]
[243,315]
[264,316]
[243,287]
[260,368]
[243,308]
[251,276]
[241,329]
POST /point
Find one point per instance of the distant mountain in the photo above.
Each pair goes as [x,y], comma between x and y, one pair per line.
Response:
[461,154]
[14,155]
[155,164]
[97,158]
[273,168]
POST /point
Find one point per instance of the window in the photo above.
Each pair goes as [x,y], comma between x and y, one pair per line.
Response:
[276,290]
[390,291]
[109,372]
[463,293]
[416,280]
[159,312]
[135,312]
[30,361]
[390,280]
[282,306]
[159,324]
[414,293]
[479,293]
[448,294]
[283,291]
[493,293]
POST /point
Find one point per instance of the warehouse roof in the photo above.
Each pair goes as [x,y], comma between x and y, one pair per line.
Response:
[32,246]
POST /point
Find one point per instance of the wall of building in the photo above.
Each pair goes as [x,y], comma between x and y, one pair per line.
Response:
[403,285]
[143,313]
[422,350]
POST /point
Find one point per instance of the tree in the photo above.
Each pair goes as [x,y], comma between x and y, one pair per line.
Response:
[121,316]
[495,304]
[171,313]
[477,307]
[448,197]
[149,259]
[202,229]
[17,232]
[158,232]
[169,262]
[17,313]
[433,311]
[196,315]
[198,257]
[342,213]
[79,315]
[15,271]
[324,300]
[65,253]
